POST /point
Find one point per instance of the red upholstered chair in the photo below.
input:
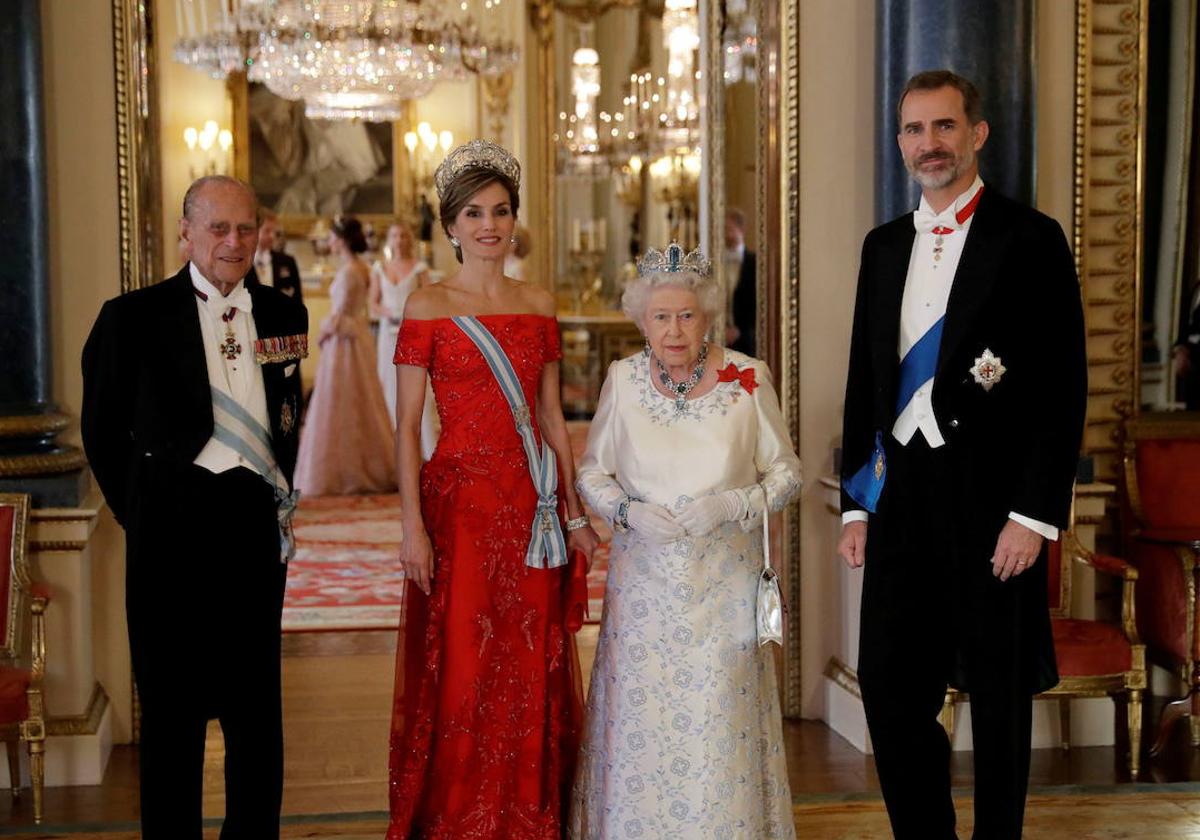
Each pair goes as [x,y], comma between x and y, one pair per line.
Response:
[1095,658]
[1162,478]
[22,650]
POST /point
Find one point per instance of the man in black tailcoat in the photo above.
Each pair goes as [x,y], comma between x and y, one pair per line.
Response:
[272,266]
[1186,352]
[964,414]
[190,421]
[743,321]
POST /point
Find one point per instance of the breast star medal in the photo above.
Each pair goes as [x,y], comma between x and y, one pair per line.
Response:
[287,417]
[229,348]
[988,369]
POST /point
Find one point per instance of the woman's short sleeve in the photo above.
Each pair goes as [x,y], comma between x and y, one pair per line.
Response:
[414,345]
[552,346]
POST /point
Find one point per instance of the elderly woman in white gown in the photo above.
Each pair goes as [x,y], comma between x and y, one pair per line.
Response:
[687,449]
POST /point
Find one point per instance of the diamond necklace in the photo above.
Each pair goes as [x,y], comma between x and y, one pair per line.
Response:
[682,389]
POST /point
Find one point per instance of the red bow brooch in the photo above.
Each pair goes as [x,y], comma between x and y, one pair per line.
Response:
[731,374]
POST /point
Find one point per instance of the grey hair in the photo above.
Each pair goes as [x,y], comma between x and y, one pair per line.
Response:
[193,192]
[636,296]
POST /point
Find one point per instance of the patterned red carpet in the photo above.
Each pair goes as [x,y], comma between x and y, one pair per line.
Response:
[346,575]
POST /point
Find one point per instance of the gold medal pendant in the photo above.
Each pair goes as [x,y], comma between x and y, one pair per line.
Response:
[229,348]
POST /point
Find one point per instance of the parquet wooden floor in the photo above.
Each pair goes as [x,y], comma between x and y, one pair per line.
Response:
[337,702]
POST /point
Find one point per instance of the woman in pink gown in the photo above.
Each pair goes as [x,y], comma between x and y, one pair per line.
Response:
[346,445]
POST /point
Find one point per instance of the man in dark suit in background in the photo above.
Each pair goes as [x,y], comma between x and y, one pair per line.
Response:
[742,263]
[273,266]
[191,397]
[964,414]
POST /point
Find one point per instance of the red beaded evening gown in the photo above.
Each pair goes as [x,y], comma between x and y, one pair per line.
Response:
[487,712]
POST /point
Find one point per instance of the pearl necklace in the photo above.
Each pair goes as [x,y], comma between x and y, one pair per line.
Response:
[682,389]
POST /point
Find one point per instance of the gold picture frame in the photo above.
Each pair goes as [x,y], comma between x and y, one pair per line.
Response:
[300,224]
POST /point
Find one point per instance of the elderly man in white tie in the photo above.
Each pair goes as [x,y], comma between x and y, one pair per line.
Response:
[191,398]
[964,413]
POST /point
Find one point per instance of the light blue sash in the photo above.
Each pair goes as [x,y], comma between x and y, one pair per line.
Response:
[547,548]
[236,428]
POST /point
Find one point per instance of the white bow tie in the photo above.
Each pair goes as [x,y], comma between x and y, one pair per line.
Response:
[926,220]
[239,298]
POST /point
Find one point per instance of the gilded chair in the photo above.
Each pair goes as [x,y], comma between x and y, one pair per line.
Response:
[1095,658]
[1162,479]
[22,650]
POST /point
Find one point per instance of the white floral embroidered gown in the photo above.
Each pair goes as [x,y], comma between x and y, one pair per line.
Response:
[683,738]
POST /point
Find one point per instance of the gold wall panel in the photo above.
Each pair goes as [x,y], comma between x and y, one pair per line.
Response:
[1110,99]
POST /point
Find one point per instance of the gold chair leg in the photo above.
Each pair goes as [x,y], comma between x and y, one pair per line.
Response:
[1064,722]
[948,718]
[1134,712]
[12,749]
[37,775]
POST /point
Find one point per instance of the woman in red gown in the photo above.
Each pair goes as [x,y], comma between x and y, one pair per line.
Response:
[487,709]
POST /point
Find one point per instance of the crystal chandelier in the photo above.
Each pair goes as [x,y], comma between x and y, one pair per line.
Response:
[347,59]
[740,43]
[659,116]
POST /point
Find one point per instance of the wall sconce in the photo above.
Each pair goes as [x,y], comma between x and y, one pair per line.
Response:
[426,148]
[208,149]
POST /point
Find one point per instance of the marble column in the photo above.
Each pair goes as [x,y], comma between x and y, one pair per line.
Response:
[30,458]
[991,42]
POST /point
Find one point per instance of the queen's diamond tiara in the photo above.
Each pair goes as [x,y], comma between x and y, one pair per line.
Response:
[673,259]
[476,154]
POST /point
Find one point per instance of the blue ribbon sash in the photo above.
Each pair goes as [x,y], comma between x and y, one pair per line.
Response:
[866,485]
[547,547]
[920,364]
[917,367]
[236,428]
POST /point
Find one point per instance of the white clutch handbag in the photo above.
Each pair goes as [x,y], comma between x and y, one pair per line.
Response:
[769,606]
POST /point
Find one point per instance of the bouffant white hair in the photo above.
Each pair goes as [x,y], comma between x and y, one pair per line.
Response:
[636,296]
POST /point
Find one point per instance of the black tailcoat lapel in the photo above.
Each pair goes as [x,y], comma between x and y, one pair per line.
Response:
[892,271]
[276,315]
[179,328]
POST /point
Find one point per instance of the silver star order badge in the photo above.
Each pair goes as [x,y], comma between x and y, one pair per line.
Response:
[287,417]
[988,369]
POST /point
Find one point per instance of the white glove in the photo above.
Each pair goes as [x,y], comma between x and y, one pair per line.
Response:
[700,516]
[653,521]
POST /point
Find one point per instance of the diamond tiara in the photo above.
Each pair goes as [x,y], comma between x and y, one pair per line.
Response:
[476,154]
[672,260]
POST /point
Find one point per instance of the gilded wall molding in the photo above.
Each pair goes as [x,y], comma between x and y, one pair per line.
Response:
[779,207]
[712,150]
[87,723]
[1110,97]
[139,193]
[543,153]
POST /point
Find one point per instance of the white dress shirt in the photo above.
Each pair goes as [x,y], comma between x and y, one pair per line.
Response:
[239,378]
[926,295]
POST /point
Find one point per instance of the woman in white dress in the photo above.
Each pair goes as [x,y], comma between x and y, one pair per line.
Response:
[393,279]
[687,449]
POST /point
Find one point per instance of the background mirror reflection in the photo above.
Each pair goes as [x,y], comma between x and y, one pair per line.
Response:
[1171,202]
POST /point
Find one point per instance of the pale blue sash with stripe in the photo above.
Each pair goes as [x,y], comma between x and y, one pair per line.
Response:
[547,548]
[236,428]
